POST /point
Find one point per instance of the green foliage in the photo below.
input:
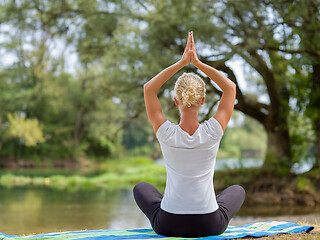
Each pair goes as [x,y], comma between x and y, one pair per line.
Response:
[27,130]
[305,185]
[78,67]
[76,111]
[137,135]
[249,138]
[11,180]
[302,136]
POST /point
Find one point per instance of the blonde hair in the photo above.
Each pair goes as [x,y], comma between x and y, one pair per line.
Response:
[189,90]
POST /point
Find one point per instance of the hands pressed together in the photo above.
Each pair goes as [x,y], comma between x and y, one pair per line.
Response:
[190,54]
[151,88]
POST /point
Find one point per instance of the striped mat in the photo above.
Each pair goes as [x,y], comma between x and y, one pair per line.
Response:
[258,229]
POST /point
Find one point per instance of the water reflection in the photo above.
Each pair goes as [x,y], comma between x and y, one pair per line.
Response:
[31,210]
[37,210]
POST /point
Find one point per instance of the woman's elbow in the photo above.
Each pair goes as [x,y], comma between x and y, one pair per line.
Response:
[232,88]
[145,87]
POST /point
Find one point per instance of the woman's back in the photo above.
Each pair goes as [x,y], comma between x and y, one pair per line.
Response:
[190,164]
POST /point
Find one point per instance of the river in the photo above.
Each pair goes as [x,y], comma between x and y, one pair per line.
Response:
[32,210]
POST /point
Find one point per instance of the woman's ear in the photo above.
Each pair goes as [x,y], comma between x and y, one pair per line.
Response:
[202,102]
[176,101]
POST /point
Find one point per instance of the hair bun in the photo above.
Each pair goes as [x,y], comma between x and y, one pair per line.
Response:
[189,89]
[189,96]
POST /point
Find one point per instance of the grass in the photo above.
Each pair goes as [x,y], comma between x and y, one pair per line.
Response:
[117,173]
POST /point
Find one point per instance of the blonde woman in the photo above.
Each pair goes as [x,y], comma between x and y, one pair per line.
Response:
[189,206]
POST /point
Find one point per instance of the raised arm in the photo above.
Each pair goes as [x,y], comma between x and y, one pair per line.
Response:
[228,88]
[151,88]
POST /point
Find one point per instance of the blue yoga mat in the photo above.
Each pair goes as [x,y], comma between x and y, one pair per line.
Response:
[258,229]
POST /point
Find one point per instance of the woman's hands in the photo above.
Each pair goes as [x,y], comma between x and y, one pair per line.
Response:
[151,88]
[186,57]
[189,54]
[193,53]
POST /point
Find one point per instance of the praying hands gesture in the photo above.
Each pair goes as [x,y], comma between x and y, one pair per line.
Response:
[190,53]
[151,88]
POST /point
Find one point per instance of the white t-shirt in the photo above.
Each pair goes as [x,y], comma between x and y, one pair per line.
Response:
[189,162]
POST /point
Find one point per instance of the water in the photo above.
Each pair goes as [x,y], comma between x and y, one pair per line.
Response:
[231,163]
[32,210]
[234,163]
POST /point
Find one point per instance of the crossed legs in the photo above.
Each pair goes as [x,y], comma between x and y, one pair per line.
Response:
[148,198]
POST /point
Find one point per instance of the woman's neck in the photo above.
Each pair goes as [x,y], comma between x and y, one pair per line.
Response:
[189,116]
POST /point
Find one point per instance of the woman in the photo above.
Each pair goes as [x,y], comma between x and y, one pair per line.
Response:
[189,206]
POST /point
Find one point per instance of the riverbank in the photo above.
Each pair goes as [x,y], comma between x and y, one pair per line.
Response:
[114,173]
[261,187]
[268,189]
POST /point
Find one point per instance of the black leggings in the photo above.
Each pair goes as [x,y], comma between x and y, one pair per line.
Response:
[148,198]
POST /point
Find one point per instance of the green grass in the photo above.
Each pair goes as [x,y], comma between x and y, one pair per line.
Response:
[117,173]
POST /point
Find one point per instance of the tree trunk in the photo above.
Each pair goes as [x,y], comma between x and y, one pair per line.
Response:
[273,117]
[77,127]
[278,154]
[316,108]
[317,163]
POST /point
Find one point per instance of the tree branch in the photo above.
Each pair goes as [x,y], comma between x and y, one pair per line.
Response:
[258,63]
[246,105]
[292,51]
[207,116]
[252,111]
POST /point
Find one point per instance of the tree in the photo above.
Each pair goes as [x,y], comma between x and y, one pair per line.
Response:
[122,44]
[252,30]
[77,111]
[225,29]
[300,21]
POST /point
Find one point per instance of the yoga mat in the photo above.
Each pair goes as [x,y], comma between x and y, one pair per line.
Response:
[258,229]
